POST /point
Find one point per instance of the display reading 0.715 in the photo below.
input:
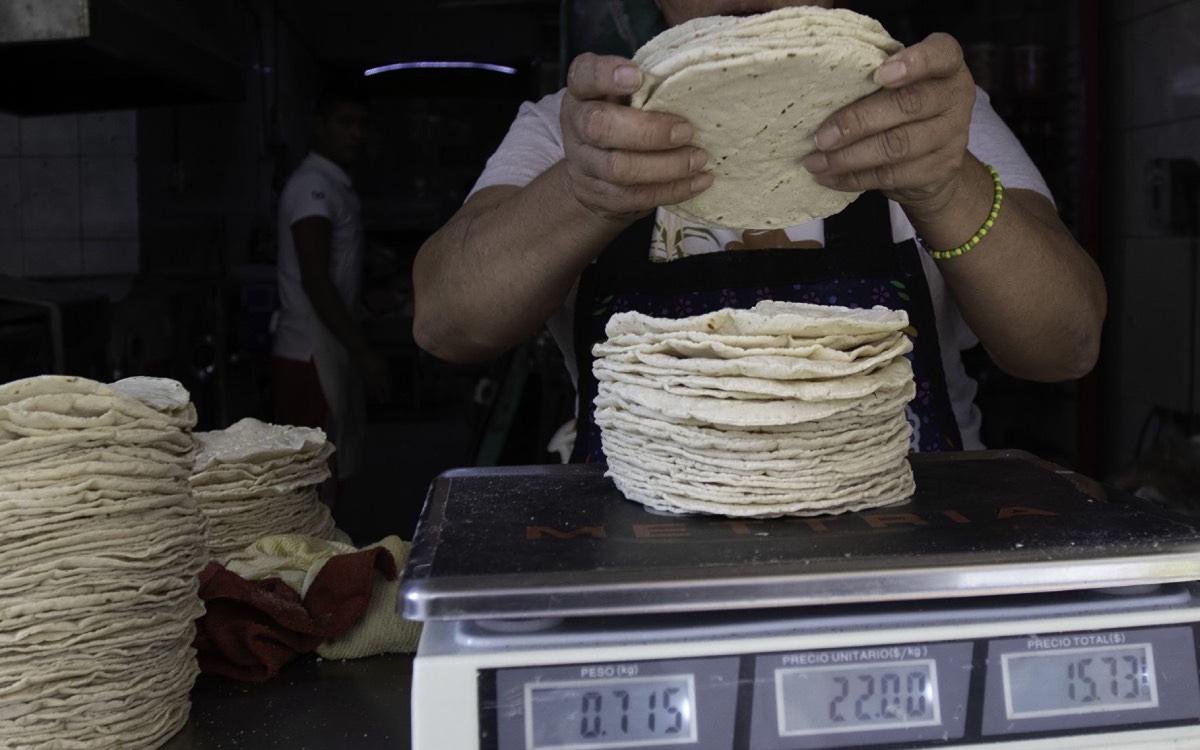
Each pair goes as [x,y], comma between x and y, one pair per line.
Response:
[657,710]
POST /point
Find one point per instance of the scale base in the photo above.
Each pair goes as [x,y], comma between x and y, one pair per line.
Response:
[457,663]
[540,586]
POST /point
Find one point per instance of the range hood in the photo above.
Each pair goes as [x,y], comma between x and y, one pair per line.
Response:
[77,55]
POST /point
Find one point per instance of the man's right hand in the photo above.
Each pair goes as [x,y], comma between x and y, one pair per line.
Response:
[623,163]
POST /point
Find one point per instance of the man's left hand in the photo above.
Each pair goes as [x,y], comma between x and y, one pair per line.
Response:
[908,139]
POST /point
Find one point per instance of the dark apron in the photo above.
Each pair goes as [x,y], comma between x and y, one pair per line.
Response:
[859,266]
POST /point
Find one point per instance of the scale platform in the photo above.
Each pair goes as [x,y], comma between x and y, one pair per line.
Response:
[1011,604]
[561,541]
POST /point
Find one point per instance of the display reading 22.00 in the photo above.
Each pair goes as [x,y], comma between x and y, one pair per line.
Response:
[857,697]
[641,711]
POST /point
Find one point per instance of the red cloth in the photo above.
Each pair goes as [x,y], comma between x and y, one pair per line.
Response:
[251,629]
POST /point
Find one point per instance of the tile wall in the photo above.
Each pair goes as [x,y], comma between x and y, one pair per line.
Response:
[69,195]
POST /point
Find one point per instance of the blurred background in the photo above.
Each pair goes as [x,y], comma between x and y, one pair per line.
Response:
[143,147]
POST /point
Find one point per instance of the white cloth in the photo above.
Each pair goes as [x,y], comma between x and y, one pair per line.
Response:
[297,560]
[321,188]
[534,144]
[346,395]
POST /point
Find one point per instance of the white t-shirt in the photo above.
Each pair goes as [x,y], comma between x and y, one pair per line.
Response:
[318,187]
[534,144]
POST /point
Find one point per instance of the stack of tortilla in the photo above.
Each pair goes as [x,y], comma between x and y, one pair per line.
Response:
[255,479]
[784,409]
[757,89]
[100,548]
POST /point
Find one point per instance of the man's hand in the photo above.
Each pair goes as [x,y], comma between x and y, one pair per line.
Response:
[622,163]
[908,139]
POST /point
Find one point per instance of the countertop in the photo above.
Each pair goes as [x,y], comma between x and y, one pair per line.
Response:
[311,704]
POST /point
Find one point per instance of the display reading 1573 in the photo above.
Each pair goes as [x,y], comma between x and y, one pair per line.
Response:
[1073,681]
[857,697]
[641,711]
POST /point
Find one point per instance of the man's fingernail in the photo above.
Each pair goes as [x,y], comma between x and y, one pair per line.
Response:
[699,159]
[681,134]
[891,72]
[627,76]
[817,162]
[827,137]
[702,182]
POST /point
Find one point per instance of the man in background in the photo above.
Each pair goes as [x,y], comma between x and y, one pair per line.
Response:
[323,365]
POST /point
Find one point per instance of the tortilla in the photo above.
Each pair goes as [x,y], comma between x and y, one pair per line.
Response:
[756,90]
[101,545]
[769,318]
[813,438]
[255,479]
[250,441]
[695,345]
[784,409]
[844,458]
[671,502]
[790,376]
[739,414]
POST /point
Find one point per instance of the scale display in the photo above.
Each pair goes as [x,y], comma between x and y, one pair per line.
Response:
[627,712]
[1091,680]
[1079,681]
[916,695]
[882,695]
[851,697]
[651,704]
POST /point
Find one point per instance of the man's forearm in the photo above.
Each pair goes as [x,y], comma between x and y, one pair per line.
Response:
[1031,294]
[492,276]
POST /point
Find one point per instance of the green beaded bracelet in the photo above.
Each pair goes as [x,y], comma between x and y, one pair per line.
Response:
[987,225]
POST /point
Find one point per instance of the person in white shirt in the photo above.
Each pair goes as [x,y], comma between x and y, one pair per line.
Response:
[322,361]
[565,228]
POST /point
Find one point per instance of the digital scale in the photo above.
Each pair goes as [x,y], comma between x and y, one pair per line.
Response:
[1011,604]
